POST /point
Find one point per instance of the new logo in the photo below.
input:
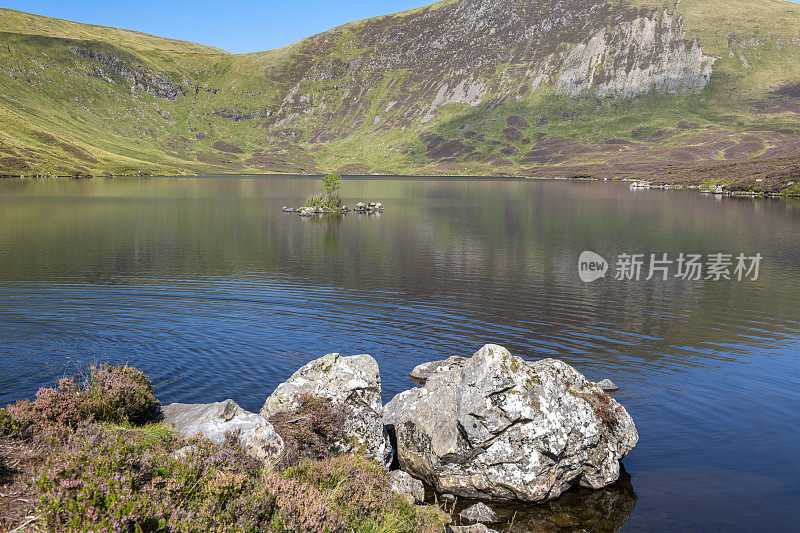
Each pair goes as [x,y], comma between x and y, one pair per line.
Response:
[591,267]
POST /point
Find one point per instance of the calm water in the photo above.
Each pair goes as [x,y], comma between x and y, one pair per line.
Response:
[207,286]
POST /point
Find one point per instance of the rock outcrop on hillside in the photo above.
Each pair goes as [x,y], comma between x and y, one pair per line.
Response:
[451,53]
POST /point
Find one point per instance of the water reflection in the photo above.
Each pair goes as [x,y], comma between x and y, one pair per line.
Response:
[208,286]
[599,511]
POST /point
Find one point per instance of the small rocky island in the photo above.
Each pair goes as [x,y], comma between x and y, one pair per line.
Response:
[329,202]
[491,427]
[361,207]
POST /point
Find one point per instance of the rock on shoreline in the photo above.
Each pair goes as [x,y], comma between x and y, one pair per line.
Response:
[355,381]
[488,427]
[502,428]
[479,513]
[607,385]
[423,372]
[213,420]
[412,488]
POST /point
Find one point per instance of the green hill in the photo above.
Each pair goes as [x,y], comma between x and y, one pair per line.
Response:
[539,87]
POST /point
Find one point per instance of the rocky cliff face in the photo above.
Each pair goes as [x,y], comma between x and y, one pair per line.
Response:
[115,69]
[476,51]
[638,57]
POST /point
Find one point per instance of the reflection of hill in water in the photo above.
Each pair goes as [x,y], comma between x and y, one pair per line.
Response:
[500,251]
[578,510]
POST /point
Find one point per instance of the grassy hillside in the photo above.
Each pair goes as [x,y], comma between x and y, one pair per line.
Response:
[459,87]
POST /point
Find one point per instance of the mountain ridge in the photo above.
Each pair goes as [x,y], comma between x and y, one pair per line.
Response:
[537,88]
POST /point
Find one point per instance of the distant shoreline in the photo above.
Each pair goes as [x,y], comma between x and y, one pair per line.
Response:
[772,186]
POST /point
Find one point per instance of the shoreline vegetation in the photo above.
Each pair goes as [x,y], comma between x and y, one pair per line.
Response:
[325,202]
[319,200]
[90,455]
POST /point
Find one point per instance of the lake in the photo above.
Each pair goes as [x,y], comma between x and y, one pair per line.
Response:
[206,285]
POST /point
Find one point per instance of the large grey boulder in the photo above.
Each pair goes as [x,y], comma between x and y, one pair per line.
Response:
[402,483]
[423,372]
[354,381]
[214,420]
[506,429]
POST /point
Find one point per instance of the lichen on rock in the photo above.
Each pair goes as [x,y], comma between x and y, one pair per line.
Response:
[214,420]
[504,428]
[353,381]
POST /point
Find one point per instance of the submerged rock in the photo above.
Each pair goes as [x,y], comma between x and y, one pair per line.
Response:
[607,509]
[213,420]
[355,381]
[402,483]
[423,372]
[480,512]
[474,528]
[502,428]
[607,385]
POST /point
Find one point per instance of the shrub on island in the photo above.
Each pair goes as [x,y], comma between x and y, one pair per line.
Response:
[329,198]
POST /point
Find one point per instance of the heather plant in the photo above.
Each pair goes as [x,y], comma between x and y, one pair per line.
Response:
[103,472]
[118,484]
[359,489]
[97,488]
[5,422]
[302,507]
[605,408]
[314,430]
[120,394]
[63,407]
[357,484]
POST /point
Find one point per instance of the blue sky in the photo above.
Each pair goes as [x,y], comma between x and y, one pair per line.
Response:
[233,25]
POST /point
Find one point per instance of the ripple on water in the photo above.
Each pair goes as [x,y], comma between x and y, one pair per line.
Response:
[214,292]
